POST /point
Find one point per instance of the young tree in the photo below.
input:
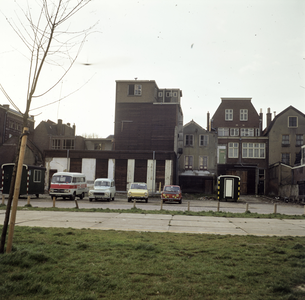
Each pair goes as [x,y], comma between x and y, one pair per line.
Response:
[48,40]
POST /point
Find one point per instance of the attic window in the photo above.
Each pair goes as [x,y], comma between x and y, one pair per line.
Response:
[134,89]
[292,121]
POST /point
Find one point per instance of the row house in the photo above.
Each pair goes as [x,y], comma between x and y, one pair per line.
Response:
[242,150]
[198,163]
[286,172]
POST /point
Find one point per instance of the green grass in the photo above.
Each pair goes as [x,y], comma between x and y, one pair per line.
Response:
[49,263]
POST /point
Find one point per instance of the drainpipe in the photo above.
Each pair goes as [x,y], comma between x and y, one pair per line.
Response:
[68,160]
[153,177]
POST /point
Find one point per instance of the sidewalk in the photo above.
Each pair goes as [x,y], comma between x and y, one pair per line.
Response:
[159,223]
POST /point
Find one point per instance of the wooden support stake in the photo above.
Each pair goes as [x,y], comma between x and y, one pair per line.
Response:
[54,200]
[16,190]
[161,205]
[275,207]
[134,203]
[3,197]
[76,203]
[29,199]
[218,206]
[247,207]
[188,206]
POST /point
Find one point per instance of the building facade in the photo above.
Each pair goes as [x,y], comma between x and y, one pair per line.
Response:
[241,149]
[198,162]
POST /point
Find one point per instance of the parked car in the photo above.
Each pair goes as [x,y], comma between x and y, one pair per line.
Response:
[138,190]
[171,193]
[104,189]
[68,185]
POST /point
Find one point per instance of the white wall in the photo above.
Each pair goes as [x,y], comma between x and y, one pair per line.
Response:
[88,168]
[130,171]
[151,175]
[168,172]
[111,165]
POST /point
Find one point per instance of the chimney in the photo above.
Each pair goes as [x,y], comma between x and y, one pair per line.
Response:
[59,127]
[6,106]
[208,122]
[268,117]
[73,129]
[261,121]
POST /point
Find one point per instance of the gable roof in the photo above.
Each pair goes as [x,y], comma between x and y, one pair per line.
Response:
[267,129]
[193,123]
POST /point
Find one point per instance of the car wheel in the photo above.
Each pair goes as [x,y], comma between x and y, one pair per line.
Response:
[81,196]
[146,200]
[180,201]
[72,197]
[128,199]
[90,199]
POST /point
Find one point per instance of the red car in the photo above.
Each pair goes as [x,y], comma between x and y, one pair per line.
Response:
[171,193]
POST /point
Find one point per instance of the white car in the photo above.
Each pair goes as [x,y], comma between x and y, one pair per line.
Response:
[104,189]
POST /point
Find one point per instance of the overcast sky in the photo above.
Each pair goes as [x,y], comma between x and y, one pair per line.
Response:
[208,49]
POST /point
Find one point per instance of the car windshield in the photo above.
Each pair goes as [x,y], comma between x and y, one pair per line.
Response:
[171,189]
[102,183]
[61,179]
[139,186]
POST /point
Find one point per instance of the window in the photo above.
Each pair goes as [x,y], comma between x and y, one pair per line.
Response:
[286,158]
[37,176]
[160,94]
[203,140]
[285,140]
[223,131]
[292,121]
[247,132]
[135,89]
[229,114]
[68,144]
[243,115]
[203,162]
[189,140]
[253,150]
[169,94]
[97,146]
[234,131]
[188,162]
[233,150]
[299,140]
[175,94]
[55,144]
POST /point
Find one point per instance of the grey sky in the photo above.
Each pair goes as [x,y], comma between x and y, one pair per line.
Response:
[240,49]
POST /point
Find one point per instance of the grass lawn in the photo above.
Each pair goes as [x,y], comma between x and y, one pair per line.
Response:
[56,263]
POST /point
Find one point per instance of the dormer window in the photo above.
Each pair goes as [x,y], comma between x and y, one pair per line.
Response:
[229,114]
[243,115]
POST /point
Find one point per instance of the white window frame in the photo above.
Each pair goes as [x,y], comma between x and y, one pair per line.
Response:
[223,131]
[203,162]
[190,141]
[234,131]
[300,141]
[285,141]
[290,117]
[228,114]
[247,132]
[56,144]
[254,150]
[188,162]
[233,150]
[160,94]
[203,140]
[243,115]
[37,176]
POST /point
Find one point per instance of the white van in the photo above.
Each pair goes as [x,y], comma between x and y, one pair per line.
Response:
[68,185]
[104,188]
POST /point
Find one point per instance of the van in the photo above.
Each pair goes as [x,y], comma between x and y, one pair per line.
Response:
[104,189]
[68,185]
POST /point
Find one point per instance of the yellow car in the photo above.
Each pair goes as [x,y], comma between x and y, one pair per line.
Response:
[137,190]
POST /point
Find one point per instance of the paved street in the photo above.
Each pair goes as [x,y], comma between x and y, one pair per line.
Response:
[165,222]
[255,205]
